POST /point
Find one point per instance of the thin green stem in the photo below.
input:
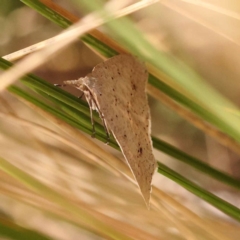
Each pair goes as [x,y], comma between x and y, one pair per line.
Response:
[215,201]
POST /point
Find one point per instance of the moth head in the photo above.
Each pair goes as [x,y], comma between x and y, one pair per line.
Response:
[79,83]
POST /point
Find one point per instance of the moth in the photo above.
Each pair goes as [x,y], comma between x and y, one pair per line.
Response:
[116,89]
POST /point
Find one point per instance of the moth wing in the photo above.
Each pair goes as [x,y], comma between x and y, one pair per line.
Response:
[119,90]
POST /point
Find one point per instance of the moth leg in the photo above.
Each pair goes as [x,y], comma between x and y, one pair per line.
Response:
[79,97]
[92,121]
[91,104]
[106,129]
[104,124]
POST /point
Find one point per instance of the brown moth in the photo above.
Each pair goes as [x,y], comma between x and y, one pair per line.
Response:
[116,89]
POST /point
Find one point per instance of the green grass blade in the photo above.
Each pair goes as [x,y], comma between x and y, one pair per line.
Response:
[215,201]
[75,118]
[83,119]
[64,23]
[195,163]
[84,126]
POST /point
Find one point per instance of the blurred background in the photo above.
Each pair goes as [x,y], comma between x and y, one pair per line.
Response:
[206,36]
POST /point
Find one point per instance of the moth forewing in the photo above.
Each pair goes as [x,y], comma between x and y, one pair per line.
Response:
[117,88]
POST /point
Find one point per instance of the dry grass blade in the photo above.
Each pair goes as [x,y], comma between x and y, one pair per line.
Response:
[110,162]
[84,141]
[78,138]
[38,46]
[207,25]
[187,214]
[35,60]
[65,140]
[214,8]
[9,187]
